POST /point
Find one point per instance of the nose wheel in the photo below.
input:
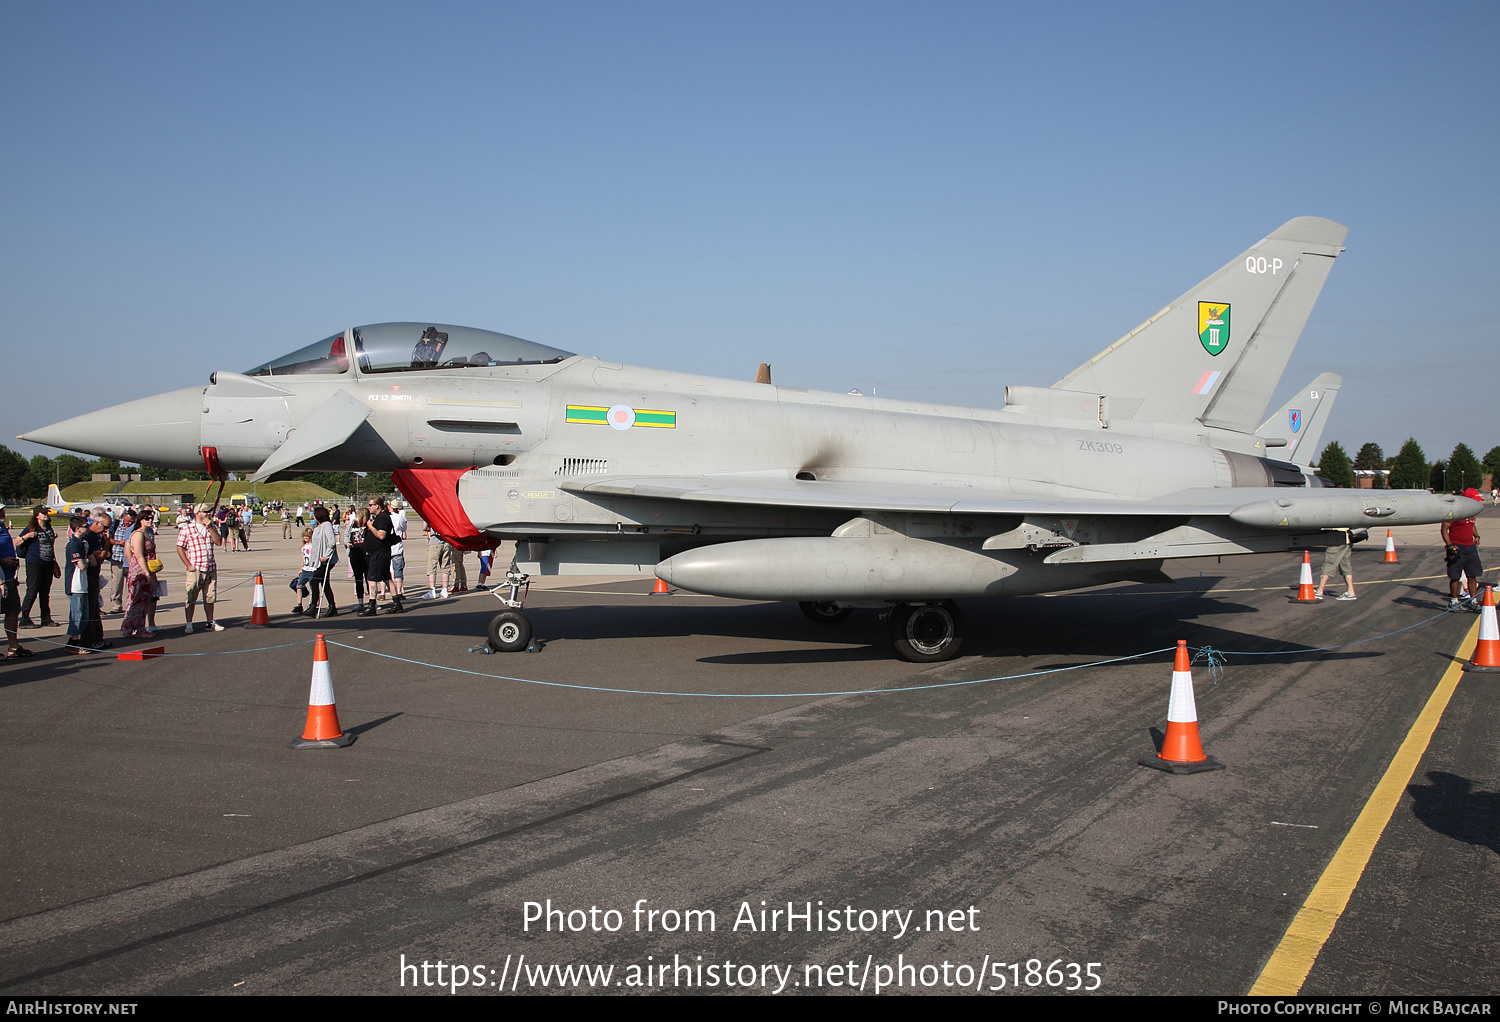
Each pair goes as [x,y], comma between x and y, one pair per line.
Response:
[926,633]
[510,630]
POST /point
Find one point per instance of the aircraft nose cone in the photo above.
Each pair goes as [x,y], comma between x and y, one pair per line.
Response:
[161,430]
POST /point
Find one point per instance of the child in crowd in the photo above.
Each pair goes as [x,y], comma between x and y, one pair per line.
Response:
[309,568]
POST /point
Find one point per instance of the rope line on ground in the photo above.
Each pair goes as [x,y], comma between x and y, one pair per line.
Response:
[1213,658]
[748,695]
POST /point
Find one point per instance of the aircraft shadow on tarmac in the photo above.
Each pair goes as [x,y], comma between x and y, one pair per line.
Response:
[1451,807]
[1100,624]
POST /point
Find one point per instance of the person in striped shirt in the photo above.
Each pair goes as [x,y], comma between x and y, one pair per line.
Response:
[195,546]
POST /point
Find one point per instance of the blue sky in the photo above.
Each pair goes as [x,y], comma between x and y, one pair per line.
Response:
[934,200]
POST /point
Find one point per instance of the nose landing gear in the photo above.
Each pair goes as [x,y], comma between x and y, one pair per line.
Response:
[510,630]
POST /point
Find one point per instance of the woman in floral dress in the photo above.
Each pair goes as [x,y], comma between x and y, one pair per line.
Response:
[140,584]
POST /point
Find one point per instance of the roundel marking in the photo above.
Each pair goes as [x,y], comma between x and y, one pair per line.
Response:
[621,416]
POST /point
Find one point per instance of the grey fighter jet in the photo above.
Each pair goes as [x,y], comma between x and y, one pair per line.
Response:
[1152,449]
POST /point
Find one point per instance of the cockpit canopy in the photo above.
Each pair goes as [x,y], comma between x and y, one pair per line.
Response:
[410,347]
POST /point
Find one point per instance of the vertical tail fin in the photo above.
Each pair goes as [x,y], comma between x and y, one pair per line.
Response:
[54,496]
[1217,352]
[1301,420]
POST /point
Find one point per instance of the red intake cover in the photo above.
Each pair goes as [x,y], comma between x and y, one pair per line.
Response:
[433,493]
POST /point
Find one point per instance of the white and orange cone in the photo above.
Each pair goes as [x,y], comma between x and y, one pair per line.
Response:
[1306,593]
[1486,658]
[259,617]
[322,731]
[1390,549]
[1182,750]
[661,589]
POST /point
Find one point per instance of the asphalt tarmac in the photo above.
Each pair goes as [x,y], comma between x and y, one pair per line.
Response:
[160,837]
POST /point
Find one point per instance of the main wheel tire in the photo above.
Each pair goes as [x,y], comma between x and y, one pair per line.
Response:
[826,612]
[926,633]
[510,632]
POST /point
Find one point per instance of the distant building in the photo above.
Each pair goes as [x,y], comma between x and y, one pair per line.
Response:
[1364,478]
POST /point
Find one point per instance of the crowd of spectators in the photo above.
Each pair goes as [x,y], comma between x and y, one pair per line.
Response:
[123,544]
[106,563]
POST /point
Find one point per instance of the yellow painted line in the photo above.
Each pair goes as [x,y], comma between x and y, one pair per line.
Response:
[1293,958]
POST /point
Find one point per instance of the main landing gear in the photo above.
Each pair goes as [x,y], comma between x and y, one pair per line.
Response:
[825,613]
[923,633]
[510,630]
[926,633]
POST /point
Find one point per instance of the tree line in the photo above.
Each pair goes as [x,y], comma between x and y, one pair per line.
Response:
[1410,469]
[24,482]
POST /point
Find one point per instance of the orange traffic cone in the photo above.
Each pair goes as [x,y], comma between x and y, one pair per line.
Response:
[1305,591]
[662,589]
[259,618]
[322,731]
[1390,549]
[1181,750]
[1486,656]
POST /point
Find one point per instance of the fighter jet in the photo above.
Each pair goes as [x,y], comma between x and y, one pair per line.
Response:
[1153,449]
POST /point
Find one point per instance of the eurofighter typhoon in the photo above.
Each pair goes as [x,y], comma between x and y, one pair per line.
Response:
[1154,448]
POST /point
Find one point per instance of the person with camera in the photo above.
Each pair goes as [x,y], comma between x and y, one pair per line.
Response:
[1461,540]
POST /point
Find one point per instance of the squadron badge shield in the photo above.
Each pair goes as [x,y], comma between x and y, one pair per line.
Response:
[1295,414]
[1213,326]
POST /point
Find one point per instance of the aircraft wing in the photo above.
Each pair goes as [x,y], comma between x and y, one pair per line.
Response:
[1261,507]
[855,496]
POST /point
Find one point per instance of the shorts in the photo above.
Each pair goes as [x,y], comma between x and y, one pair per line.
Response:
[398,566]
[10,600]
[380,565]
[1463,560]
[439,558]
[201,583]
[1336,557]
